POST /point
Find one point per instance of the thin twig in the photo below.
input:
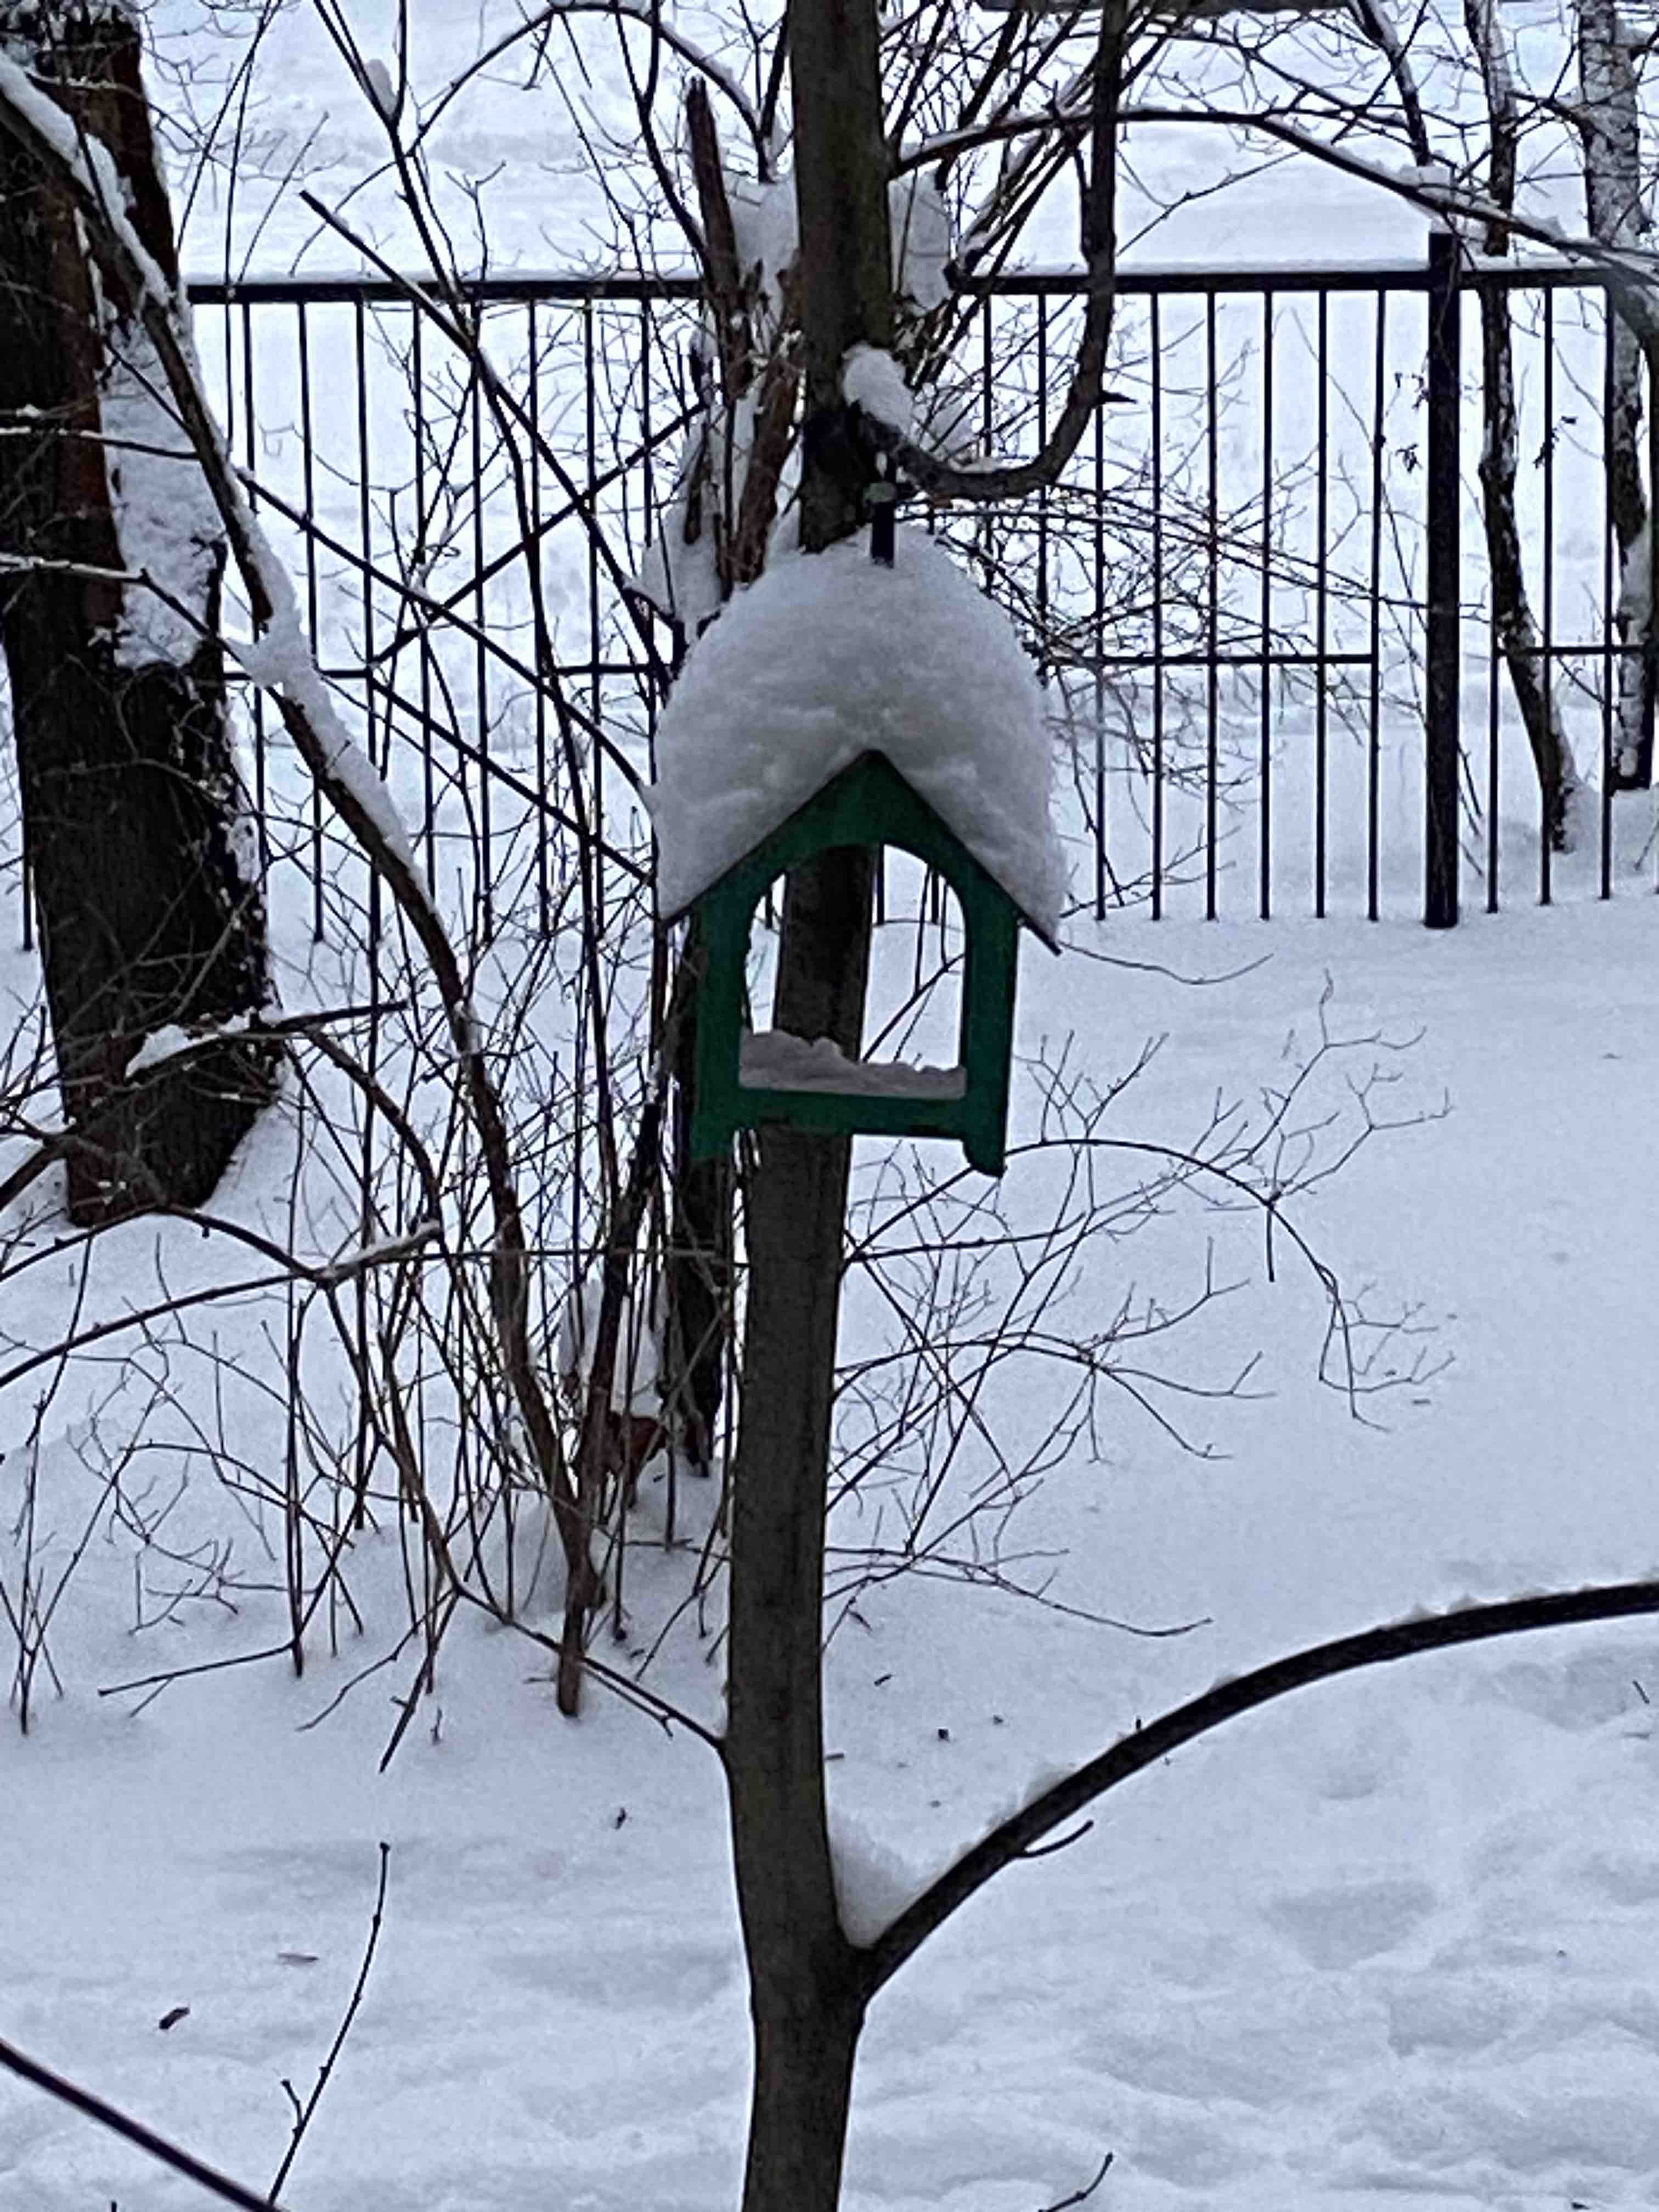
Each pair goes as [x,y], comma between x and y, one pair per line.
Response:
[1082,2195]
[327,2067]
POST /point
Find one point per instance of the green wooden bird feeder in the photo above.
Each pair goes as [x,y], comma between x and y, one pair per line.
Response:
[743,1079]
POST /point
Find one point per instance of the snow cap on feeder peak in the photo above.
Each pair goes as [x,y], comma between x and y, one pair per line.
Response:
[829,656]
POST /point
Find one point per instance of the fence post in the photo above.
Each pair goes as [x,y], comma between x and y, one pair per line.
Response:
[1443,653]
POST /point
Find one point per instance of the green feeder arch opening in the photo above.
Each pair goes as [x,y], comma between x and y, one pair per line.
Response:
[743,1079]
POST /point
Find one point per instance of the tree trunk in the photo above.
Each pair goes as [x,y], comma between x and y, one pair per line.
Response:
[1610,128]
[806,1981]
[1512,617]
[142,852]
[805,1998]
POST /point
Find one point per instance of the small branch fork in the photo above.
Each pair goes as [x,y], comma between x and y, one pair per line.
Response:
[304,2113]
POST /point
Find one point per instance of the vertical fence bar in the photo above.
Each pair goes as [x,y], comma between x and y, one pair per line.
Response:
[1608,662]
[365,548]
[1546,662]
[366,1169]
[988,427]
[589,364]
[1212,708]
[228,323]
[250,450]
[1042,490]
[533,552]
[423,572]
[1321,591]
[1443,616]
[1265,765]
[1373,744]
[1158,612]
[486,887]
[1493,721]
[1643,774]
[1100,663]
[308,503]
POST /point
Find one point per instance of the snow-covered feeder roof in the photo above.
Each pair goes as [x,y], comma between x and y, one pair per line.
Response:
[829,656]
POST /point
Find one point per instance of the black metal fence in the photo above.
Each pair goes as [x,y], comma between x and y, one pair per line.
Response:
[1256,598]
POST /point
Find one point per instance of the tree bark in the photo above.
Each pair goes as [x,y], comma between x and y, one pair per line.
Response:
[805,1998]
[1512,617]
[806,1980]
[1610,131]
[140,842]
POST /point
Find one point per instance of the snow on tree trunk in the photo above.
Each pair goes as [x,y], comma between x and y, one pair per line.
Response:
[1517,632]
[143,854]
[1512,617]
[1609,129]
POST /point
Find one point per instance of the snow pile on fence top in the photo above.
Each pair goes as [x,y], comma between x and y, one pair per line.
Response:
[828,656]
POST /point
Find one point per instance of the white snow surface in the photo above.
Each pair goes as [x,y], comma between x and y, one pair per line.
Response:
[873,379]
[828,656]
[922,241]
[378,78]
[1383,1946]
[765,220]
[682,580]
[635,1379]
[874,1882]
[165,518]
[776,1060]
[172,1037]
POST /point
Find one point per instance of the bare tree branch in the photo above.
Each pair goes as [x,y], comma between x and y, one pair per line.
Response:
[82,2100]
[1225,1701]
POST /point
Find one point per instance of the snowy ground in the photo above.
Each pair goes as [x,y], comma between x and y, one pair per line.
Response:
[1388,1943]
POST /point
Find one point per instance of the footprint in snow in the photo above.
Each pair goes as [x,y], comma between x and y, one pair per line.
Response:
[650,1974]
[1451,2015]
[1629,1878]
[1583,1693]
[1338,1927]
